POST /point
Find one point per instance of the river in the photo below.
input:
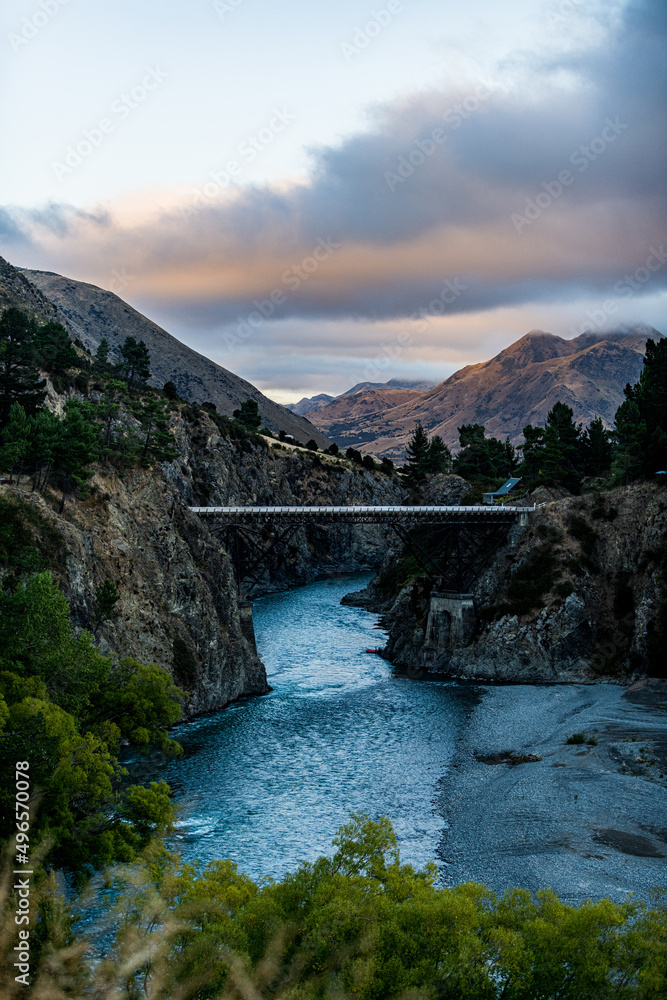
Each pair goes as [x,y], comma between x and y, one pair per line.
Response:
[267,781]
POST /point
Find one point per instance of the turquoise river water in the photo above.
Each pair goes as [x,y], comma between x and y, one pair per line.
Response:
[268,780]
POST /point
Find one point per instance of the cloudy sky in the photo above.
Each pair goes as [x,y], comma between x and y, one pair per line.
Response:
[315,193]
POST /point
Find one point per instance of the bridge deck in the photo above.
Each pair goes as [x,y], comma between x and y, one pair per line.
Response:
[360,513]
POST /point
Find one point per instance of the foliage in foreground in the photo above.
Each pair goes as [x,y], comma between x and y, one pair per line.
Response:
[358,924]
[65,708]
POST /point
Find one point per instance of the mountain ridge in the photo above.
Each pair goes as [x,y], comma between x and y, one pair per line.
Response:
[516,387]
[90,313]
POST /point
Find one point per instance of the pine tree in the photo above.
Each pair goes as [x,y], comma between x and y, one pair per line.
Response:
[15,441]
[55,349]
[417,454]
[248,414]
[19,373]
[641,419]
[597,448]
[135,365]
[102,354]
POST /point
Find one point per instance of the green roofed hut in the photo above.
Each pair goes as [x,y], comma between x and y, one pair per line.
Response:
[502,492]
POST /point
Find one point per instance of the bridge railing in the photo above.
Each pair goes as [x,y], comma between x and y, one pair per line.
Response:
[362,512]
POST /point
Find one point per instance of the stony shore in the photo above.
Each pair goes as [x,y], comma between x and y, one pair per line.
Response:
[588,819]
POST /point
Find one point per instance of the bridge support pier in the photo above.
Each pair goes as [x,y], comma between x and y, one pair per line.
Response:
[247,626]
[451,621]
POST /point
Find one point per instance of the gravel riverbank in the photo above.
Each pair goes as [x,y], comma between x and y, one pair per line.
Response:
[588,819]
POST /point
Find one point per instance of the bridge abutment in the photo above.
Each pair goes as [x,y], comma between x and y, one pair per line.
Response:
[451,622]
[246,622]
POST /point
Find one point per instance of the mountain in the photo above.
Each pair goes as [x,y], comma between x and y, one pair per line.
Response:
[309,403]
[16,290]
[517,387]
[91,313]
[393,383]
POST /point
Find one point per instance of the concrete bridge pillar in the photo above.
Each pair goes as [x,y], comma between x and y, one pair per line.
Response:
[245,620]
[451,621]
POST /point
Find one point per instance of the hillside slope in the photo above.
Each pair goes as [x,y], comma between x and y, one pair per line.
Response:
[518,386]
[92,313]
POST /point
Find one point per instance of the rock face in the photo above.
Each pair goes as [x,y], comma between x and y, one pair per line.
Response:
[179,605]
[519,386]
[600,557]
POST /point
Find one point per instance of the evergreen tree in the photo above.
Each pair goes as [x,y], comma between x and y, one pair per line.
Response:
[481,457]
[135,366]
[102,354]
[19,372]
[44,435]
[15,441]
[54,349]
[77,445]
[554,454]
[597,448]
[426,457]
[438,456]
[417,454]
[248,414]
[159,443]
[170,391]
[641,420]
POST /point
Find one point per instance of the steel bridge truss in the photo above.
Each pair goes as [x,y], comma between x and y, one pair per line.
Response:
[452,545]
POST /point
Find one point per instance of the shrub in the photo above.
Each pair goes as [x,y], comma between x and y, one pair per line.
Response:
[312,444]
[576,738]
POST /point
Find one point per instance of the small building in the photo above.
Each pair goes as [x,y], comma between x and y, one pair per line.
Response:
[502,492]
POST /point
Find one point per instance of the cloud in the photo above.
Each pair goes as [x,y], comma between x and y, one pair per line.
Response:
[538,190]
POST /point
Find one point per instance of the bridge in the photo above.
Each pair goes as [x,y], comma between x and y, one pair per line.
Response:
[451,544]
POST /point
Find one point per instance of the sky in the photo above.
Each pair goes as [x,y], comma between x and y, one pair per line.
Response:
[315,194]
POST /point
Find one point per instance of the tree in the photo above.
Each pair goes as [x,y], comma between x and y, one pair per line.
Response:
[641,419]
[45,431]
[597,448]
[159,442]
[135,364]
[55,349]
[106,599]
[481,457]
[248,414]
[368,463]
[170,391]
[439,457]
[19,373]
[15,440]
[77,445]
[353,455]
[387,466]
[426,457]
[333,449]
[102,354]
[417,454]
[554,454]
[312,444]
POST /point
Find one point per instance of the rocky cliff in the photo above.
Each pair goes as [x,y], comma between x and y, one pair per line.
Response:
[574,596]
[179,605]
